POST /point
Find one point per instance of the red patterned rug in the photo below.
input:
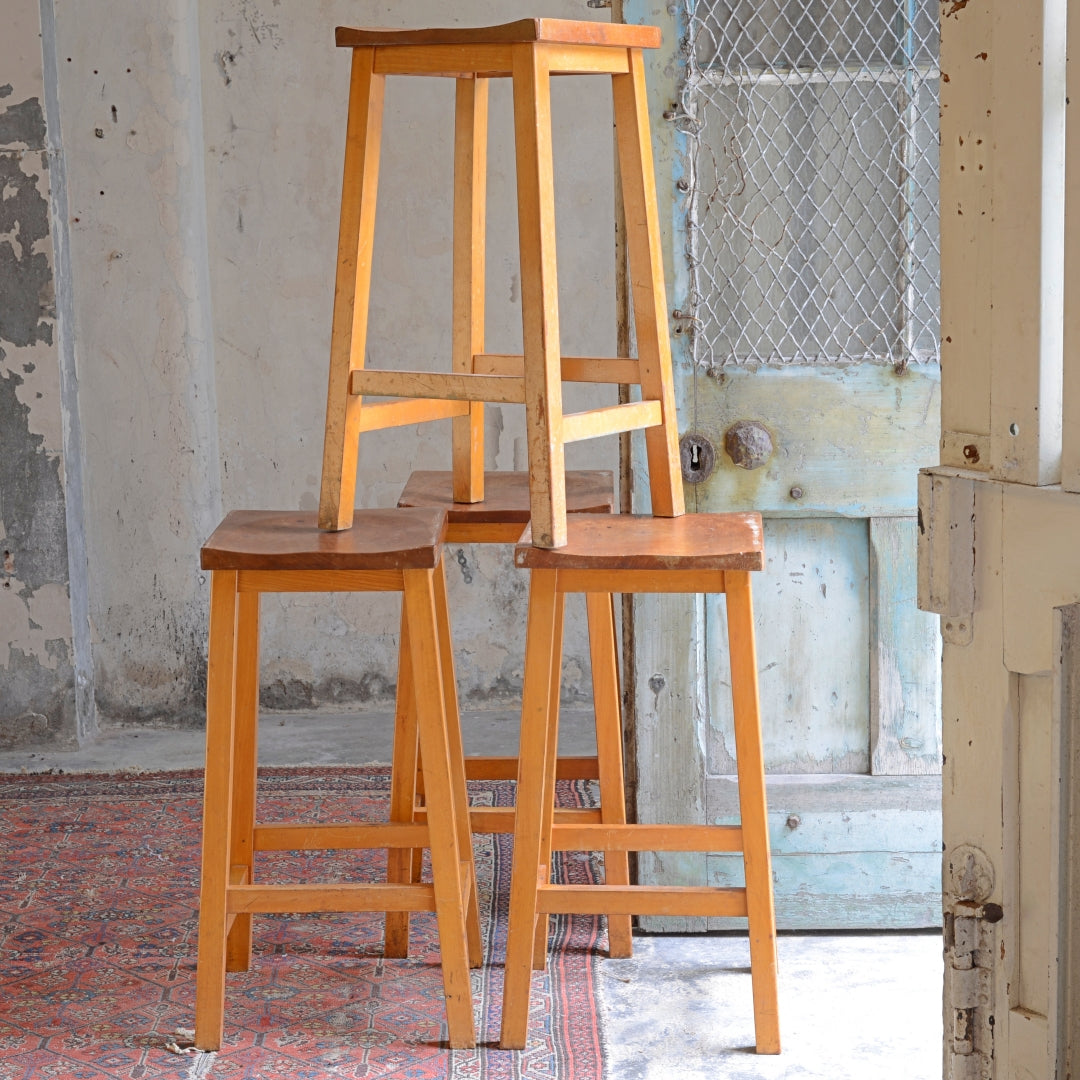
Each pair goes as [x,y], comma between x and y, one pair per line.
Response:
[98,926]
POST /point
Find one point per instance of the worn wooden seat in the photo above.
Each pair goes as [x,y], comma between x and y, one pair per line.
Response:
[502,518]
[605,554]
[529,52]
[256,552]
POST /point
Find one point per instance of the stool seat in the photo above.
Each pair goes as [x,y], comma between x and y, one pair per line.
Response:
[506,496]
[551,31]
[291,540]
[637,542]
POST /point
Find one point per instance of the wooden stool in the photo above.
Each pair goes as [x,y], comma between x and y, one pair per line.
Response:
[619,553]
[254,552]
[529,52]
[502,518]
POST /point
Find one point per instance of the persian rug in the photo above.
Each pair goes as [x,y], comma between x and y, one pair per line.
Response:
[98,928]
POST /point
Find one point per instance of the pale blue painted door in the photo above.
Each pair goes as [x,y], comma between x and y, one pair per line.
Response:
[796,146]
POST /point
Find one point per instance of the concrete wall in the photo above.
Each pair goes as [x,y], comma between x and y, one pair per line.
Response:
[181,373]
[44,638]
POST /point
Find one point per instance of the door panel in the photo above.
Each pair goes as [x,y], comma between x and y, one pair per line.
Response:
[848,851]
[811,608]
[798,194]
[844,440]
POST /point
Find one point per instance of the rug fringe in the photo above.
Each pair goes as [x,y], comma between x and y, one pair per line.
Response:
[202,1065]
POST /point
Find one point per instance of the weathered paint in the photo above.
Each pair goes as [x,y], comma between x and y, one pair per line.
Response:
[37,673]
[131,110]
[848,682]
[812,596]
[905,656]
[1064,1015]
[847,440]
[669,702]
[1042,564]
[855,851]
[1009,767]
[1009,684]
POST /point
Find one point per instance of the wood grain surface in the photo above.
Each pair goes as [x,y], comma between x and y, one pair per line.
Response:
[506,495]
[393,539]
[634,542]
[554,31]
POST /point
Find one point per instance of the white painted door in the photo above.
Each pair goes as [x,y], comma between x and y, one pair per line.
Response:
[1000,554]
[797,154]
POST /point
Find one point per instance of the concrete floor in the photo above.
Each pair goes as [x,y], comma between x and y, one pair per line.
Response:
[851,1005]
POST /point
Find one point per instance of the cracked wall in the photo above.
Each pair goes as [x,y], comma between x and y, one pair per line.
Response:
[200,144]
[37,680]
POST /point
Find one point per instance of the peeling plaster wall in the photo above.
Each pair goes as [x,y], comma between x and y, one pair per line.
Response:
[37,663]
[200,143]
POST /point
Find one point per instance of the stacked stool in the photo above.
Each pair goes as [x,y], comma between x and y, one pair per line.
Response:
[529,52]
[596,553]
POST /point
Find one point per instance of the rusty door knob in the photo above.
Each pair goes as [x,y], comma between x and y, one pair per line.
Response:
[748,444]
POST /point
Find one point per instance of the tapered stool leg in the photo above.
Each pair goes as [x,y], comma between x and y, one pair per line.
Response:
[550,759]
[750,766]
[245,769]
[456,752]
[470,204]
[533,801]
[217,810]
[402,864]
[647,284]
[609,753]
[539,296]
[451,866]
[352,290]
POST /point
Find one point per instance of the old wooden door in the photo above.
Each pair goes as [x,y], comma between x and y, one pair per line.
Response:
[1000,558]
[797,161]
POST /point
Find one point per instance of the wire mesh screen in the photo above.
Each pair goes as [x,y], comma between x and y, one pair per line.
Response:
[812,181]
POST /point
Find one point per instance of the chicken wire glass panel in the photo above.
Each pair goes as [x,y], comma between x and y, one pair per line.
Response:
[813,223]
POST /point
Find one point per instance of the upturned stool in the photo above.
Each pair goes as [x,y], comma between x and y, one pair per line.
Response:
[501,519]
[529,52]
[712,553]
[398,550]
